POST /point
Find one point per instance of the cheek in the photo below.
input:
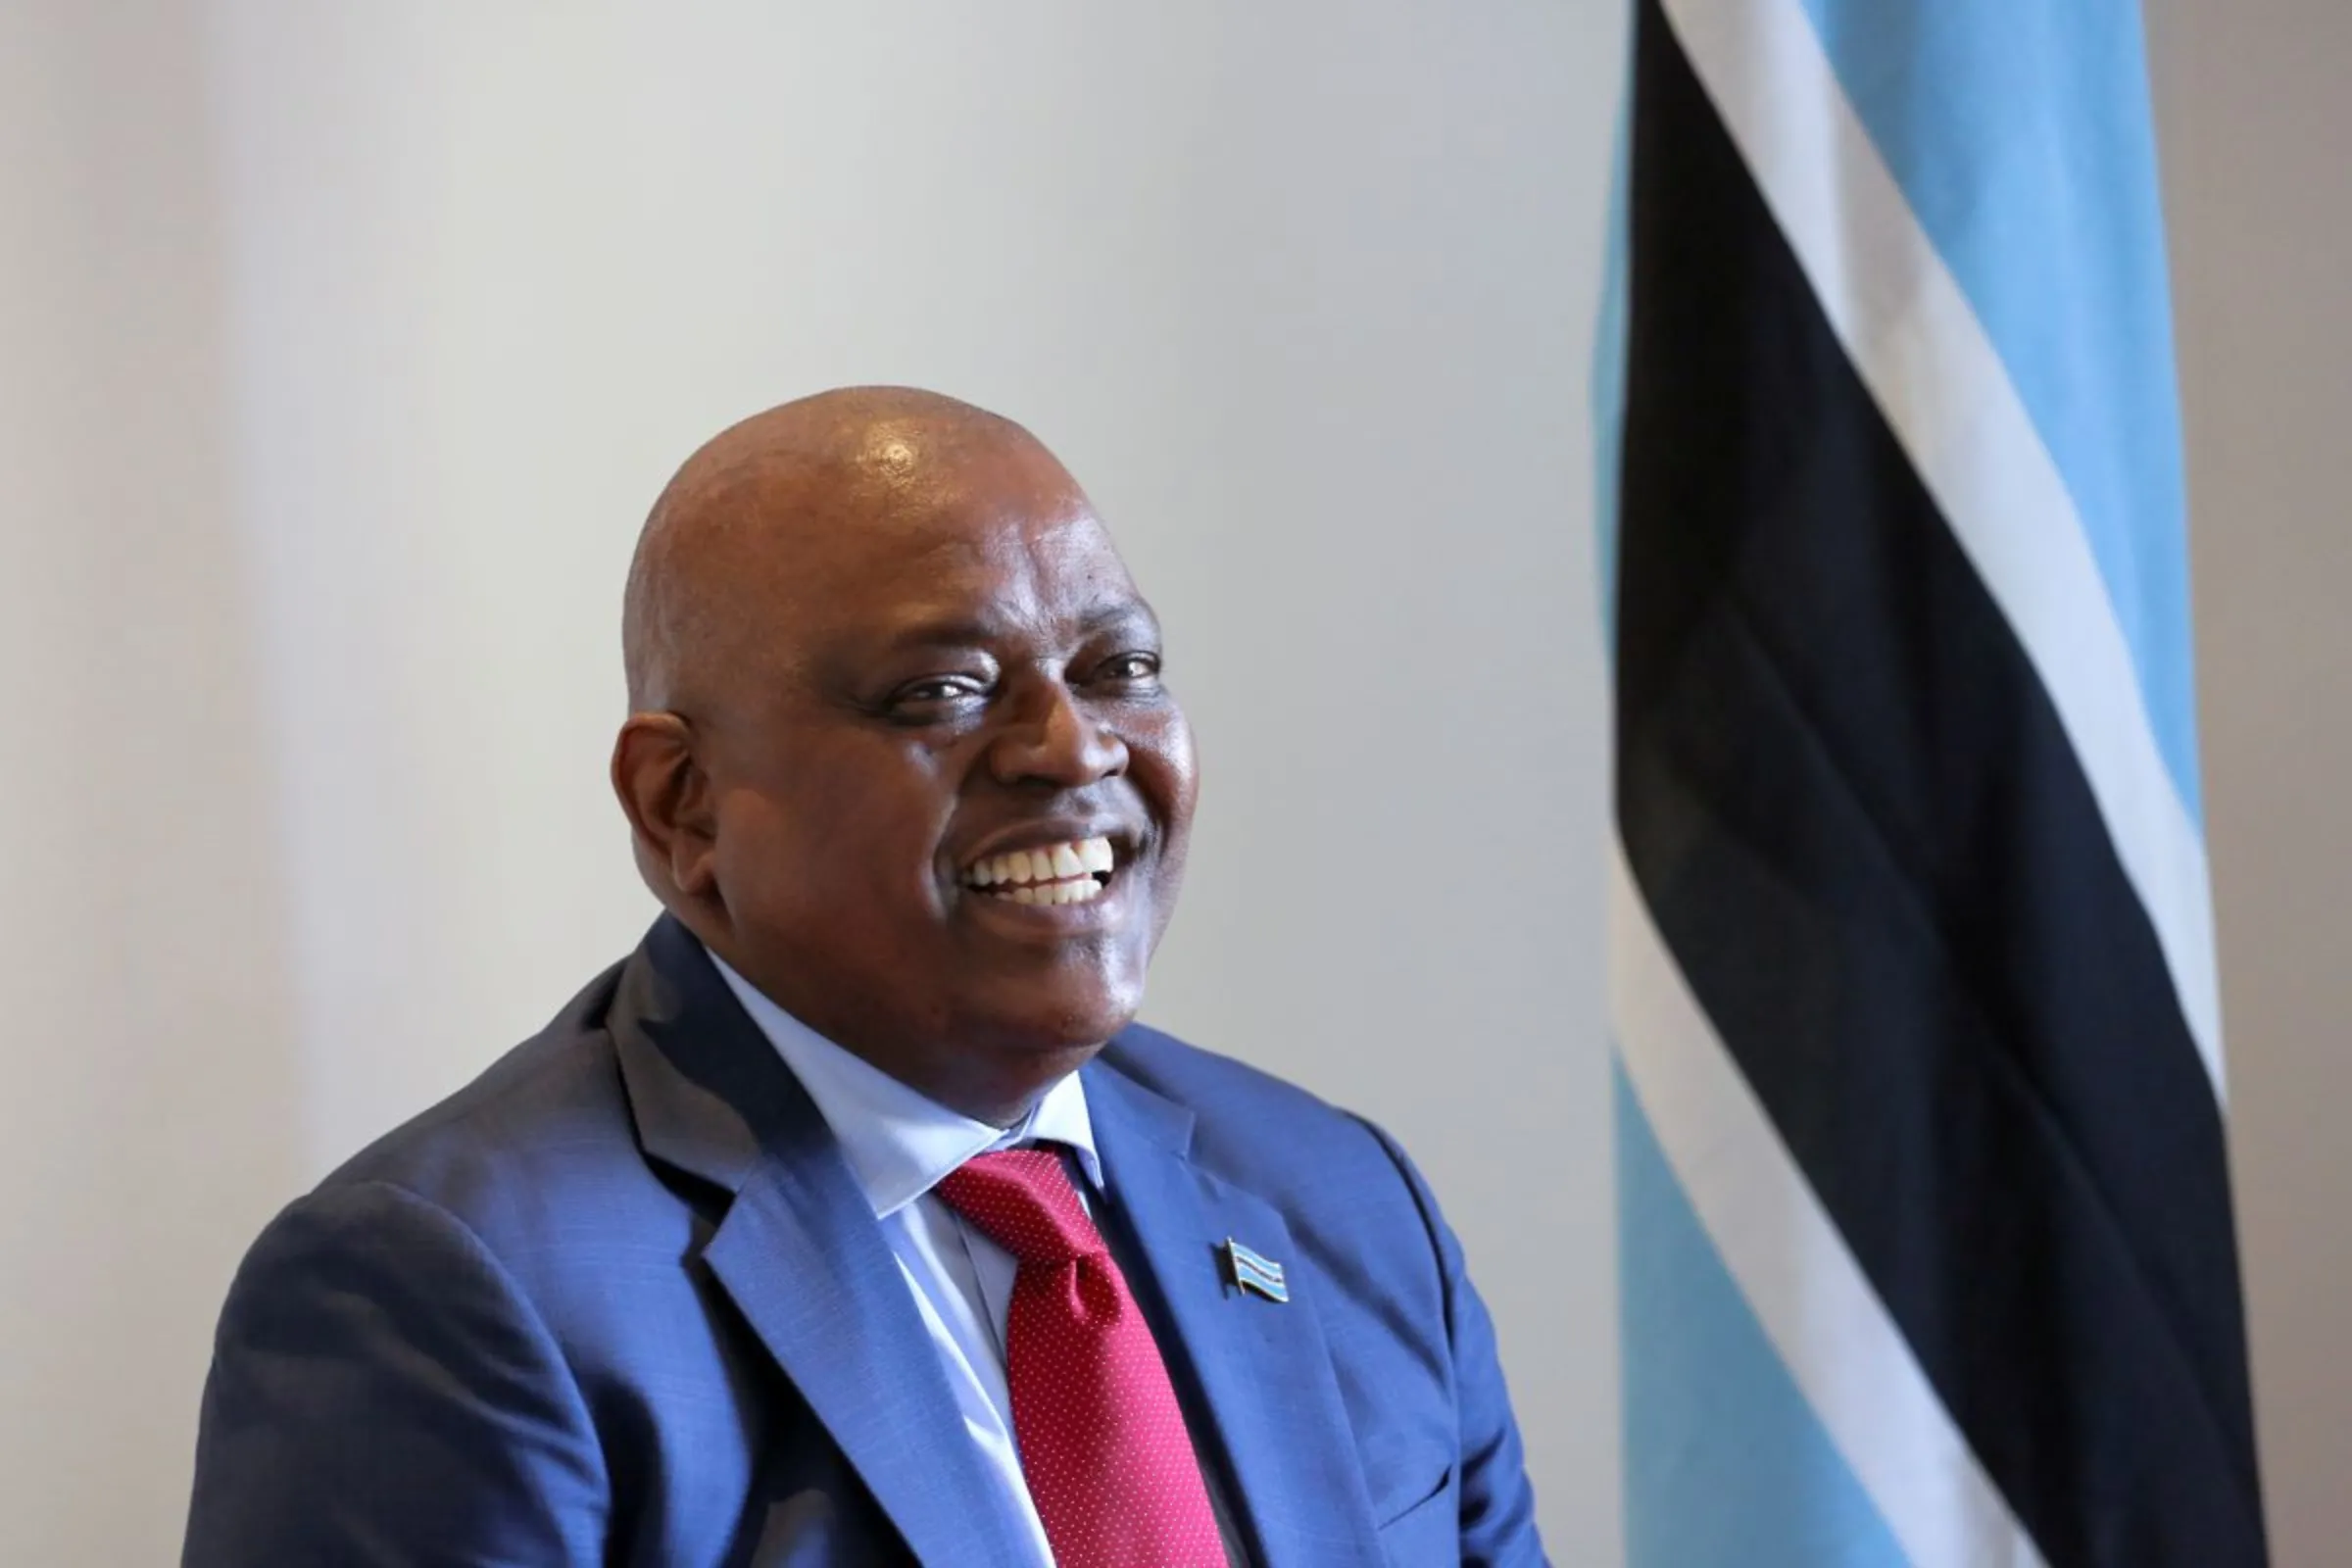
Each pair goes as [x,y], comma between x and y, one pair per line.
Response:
[766,864]
[1167,774]
[839,844]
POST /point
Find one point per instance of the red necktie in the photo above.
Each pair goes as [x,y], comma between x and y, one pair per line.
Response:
[1104,1446]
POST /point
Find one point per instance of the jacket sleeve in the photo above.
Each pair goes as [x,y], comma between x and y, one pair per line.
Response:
[382,1392]
[1497,1504]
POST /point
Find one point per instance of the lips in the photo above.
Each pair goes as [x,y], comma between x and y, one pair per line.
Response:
[1070,871]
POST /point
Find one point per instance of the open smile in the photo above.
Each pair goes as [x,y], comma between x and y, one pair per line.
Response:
[1072,871]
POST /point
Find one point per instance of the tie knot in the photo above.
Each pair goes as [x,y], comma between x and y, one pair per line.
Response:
[1023,1201]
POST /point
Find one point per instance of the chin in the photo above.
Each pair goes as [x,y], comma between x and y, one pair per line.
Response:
[1079,1019]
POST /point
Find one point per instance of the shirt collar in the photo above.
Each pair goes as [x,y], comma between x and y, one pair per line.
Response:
[898,1142]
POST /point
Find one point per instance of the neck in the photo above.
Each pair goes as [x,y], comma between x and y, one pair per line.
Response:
[998,1087]
[994,1076]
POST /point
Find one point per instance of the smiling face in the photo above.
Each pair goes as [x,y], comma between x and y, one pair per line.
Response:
[931,795]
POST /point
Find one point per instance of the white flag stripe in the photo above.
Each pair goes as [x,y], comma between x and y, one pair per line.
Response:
[1846,1353]
[1921,350]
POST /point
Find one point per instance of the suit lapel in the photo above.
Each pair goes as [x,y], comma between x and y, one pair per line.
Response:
[802,1258]
[1263,1369]
[799,1251]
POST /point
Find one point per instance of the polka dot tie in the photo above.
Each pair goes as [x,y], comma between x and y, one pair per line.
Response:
[1110,1464]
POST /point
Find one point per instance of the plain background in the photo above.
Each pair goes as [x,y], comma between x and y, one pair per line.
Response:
[342,348]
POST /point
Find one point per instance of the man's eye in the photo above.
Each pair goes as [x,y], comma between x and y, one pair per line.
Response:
[1131,668]
[941,689]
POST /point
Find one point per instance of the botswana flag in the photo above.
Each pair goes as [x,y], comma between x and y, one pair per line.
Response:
[1927,1243]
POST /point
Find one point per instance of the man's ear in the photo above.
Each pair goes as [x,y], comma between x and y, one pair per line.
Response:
[666,795]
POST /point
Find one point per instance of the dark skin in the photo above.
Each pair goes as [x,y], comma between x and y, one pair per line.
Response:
[875,638]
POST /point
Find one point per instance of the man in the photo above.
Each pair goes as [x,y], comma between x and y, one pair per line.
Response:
[850,1220]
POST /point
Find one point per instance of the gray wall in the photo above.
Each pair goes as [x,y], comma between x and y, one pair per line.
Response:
[2256,127]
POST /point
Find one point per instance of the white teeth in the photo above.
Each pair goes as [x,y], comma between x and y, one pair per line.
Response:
[1054,873]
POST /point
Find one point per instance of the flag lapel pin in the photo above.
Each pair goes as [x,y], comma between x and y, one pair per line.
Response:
[1261,1276]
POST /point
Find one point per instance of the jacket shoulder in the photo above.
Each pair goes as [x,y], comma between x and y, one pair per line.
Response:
[546,1119]
[1265,1131]
[1215,1088]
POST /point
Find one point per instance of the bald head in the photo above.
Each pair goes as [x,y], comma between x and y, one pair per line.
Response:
[764,496]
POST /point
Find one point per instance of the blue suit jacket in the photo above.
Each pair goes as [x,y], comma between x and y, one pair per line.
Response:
[621,1301]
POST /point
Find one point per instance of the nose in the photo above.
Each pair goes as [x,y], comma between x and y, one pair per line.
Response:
[1054,740]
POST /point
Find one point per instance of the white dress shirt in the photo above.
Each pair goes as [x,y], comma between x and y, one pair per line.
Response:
[901,1145]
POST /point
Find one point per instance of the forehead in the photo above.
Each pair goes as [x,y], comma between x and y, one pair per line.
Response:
[979,559]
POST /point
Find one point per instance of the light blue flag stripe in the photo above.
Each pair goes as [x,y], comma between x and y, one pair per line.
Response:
[2022,139]
[1710,1410]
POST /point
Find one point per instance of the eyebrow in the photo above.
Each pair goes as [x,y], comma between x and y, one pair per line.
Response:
[966,631]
